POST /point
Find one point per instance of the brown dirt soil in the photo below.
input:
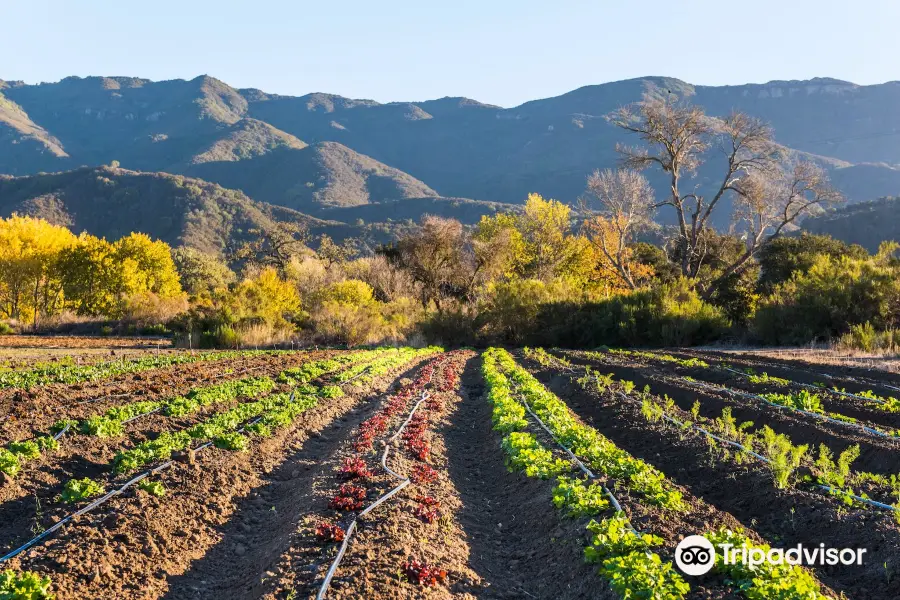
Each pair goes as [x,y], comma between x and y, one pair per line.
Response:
[866,412]
[878,455]
[29,412]
[81,341]
[23,351]
[219,517]
[802,370]
[29,501]
[783,518]
[392,534]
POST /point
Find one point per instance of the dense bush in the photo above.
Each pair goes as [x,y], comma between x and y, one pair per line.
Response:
[830,297]
[665,315]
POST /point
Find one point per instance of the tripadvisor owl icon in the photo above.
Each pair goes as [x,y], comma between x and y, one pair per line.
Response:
[695,555]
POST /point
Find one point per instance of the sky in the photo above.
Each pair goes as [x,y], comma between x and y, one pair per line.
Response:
[496,51]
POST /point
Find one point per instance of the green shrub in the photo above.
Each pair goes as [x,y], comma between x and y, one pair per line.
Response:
[829,298]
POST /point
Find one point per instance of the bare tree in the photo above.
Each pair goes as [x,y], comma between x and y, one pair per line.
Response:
[272,245]
[767,206]
[626,206]
[679,138]
[438,257]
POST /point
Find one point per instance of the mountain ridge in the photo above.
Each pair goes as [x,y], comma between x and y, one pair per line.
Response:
[447,147]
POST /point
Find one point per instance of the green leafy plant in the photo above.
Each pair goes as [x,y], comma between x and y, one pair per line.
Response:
[767,581]
[154,488]
[525,453]
[784,457]
[24,585]
[9,463]
[26,449]
[80,489]
[579,498]
[231,441]
[835,474]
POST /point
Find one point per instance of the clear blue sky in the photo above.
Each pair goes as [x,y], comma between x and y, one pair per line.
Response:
[501,52]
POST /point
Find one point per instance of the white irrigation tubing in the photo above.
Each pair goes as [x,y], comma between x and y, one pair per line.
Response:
[863,428]
[577,461]
[815,387]
[103,499]
[865,380]
[763,458]
[405,481]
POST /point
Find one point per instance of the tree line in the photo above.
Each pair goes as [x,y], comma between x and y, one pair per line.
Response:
[599,271]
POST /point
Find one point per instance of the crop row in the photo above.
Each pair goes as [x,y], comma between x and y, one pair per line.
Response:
[801,402]
[355,473]
[69,373]
[111,423]
[625,558]
[273,411]
[788,463]
[882,403]
[790,581]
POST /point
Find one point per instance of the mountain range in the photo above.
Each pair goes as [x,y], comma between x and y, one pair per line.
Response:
[346,164]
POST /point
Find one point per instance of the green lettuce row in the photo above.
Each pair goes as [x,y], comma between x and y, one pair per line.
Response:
[633,571]
[275,410]
[767,580]
[112,422]
[311,370]
[365,372]
[24,585]
[69,374]
[586,442]
[16,453]
[167,443]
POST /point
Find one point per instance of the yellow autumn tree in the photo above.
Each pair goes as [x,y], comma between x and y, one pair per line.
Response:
[150,268]
[30,286]
[100,276]
[615,260]
[264,295]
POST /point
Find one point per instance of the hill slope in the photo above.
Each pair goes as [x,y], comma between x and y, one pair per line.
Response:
[865,223]
[365,152]
[305,179]
[112,202]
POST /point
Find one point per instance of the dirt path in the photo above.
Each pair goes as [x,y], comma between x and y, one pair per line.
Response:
[518,544]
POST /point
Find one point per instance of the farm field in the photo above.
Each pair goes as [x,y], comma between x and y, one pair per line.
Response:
[430,473]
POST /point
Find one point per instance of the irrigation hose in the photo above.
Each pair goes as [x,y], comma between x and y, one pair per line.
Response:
[766,460]
[815,387]
[405,481]
[106,497]
[863,428]
[577,461]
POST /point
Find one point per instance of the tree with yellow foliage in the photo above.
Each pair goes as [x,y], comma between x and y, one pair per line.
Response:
[98,276]
[263,294]
[626,208]
[30,286]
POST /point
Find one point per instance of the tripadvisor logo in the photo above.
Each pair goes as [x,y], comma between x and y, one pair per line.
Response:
[696,555]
